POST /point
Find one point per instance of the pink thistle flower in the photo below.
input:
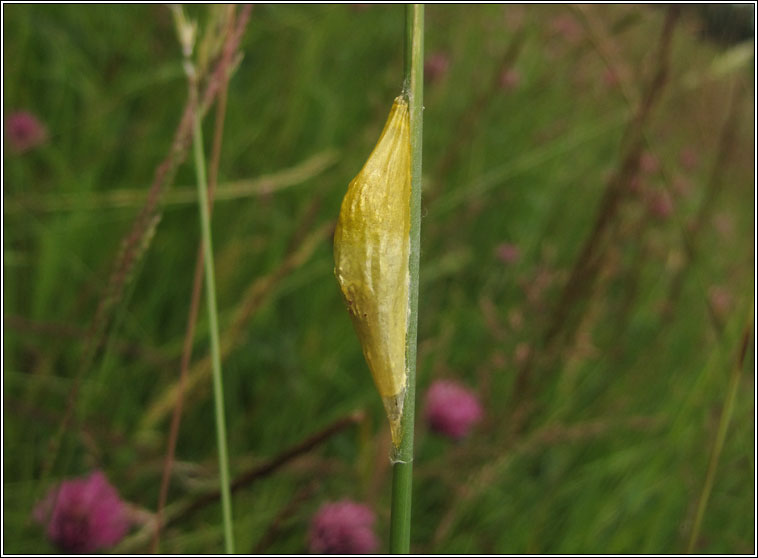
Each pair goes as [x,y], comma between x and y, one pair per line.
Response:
[83,514]
[451,409]
[514,16]
[724,225]
[660,205]
[567,28]
[343,527]
[510,79]
[507,253]
[649,163]
[522,352]
[688,158]
[436,66]
[24,131]
[720,299]
[536,285]
[611,78]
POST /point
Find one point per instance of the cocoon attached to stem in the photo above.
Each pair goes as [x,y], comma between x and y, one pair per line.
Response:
[371,250]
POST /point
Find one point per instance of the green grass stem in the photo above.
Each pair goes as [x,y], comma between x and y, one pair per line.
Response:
[218,387]
[402,470]
[723,428]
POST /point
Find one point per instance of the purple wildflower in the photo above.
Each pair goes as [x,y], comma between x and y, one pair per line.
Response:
[514,16]
[436,66]
[343,527]
[521,353]
[567,28]
[611,78]
[507,253]
[688,158]
[724,225]
[721,300]
[83,514]
[537,284]
[660,205]
[24,131]
[510,79]
[649,163]
[451,409]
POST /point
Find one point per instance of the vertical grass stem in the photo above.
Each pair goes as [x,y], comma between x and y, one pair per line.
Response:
[218,387]
[723,427]
[402,470]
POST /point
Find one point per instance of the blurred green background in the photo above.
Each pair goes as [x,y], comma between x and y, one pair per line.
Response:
[603,393]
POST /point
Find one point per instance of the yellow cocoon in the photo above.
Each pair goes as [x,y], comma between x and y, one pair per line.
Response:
[371,246]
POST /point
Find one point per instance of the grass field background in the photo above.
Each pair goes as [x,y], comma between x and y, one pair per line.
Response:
[603,382]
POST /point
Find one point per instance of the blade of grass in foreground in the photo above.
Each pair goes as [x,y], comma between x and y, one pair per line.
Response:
[218,388]
[186,31]
[718,444]
[402,469]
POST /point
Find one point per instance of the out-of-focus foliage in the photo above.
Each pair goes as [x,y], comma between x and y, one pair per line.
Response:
[597,428]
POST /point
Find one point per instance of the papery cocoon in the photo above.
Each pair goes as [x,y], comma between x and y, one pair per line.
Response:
[371,249]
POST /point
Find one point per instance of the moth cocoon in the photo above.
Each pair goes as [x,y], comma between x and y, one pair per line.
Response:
[371,248]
